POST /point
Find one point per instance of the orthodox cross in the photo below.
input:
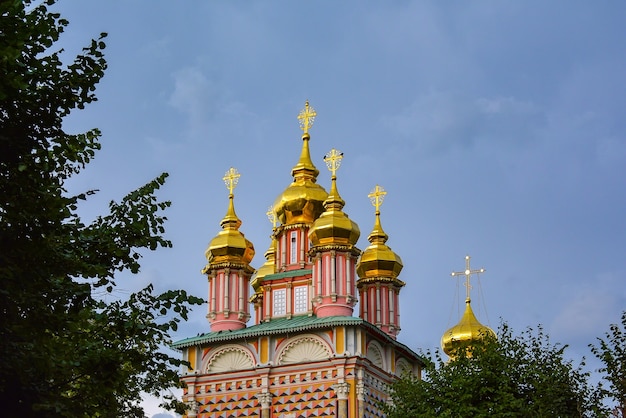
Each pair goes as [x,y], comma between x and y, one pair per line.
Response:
[231,178]
[333,160]
[271,215]
[377,196]
[306,117]
[468,272]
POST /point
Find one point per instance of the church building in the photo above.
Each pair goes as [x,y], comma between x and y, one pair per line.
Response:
[307,353]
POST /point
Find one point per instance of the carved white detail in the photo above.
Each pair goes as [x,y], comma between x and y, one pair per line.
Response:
[230,359]
[375,354]
[403,367]
[302,350]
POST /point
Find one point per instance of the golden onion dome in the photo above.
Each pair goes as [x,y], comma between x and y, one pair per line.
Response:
[303,200]
[467,330]
[269,267]
[378,260]
[229,245]
[334,226]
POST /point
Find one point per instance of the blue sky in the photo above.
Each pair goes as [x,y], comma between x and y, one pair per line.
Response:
[497,129]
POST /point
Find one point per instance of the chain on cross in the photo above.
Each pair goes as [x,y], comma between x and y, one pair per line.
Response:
[377,196]
[307,117]
[467,273]
[333,160]
[231,178]
[271,215]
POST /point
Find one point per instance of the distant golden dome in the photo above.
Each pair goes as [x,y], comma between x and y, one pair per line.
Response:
[467,330]
[269,267]
[303,200]
[334,226]
[378,260]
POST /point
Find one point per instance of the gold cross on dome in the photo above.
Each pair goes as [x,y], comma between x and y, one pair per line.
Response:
[307,117]
[333,160]
[377,196]
[467,273]
[231,178]
[271,215]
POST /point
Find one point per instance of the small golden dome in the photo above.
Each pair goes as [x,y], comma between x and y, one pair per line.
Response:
[229,245]
[269,267]
[334,226]
[378,260]
[468,329]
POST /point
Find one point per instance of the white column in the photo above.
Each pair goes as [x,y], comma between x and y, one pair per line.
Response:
[226,306]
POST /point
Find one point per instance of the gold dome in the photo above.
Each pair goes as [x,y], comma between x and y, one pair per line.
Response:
[303,200]
[229,245]
[378,260]
[468,329]
[334,226]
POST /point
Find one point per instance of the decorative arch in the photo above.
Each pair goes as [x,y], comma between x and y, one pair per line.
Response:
[228,359]
[375,354]
[304,349]
[403,367]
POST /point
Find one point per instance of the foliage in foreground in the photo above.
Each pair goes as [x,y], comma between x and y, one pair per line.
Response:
[64,351]
[611,350]
[513,376]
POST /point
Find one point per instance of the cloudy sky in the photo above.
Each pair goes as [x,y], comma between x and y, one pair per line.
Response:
[497,129]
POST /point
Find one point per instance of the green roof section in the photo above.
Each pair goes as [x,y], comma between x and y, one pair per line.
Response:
[275,326]
[291,273]
[287,326]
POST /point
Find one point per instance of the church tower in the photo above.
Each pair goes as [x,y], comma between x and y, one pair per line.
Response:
[333,238]
[228,269]
[288,292]
[306,355]
[378,270]
[468,328]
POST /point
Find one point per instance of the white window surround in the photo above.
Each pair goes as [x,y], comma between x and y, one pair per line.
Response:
[279,298]
[301,299]
[293,253]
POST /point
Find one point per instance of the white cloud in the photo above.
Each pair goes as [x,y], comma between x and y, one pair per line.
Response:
[150,405]
[213,115]
[440,120]
[192,94]
[584,317]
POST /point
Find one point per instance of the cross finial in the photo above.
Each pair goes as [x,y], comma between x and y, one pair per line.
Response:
[467,273]
[271,215]
[231,178]
[333,160]
[377,196]
[306,117]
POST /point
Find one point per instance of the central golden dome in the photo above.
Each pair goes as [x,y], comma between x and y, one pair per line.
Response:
[467,330]
[303,200]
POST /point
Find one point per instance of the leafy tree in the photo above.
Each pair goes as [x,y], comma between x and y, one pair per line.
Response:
[612,352]
[512,376]
[65,350]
